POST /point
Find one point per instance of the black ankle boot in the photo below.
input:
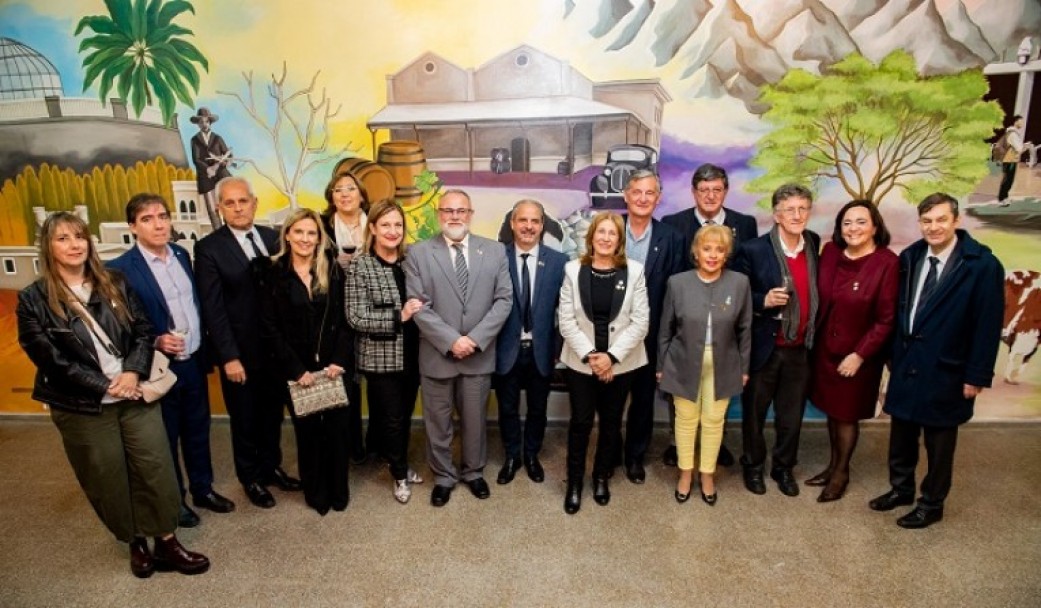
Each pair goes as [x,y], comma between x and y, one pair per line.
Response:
[573,498]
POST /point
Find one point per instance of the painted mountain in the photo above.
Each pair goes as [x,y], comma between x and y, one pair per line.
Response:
[733,47]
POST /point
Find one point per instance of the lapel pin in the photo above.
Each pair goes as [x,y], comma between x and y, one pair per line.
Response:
[541,263]
[621,285]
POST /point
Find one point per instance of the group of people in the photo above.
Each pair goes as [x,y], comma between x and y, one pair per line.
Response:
[695,310]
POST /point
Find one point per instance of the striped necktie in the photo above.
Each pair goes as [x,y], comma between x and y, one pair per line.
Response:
[461,271]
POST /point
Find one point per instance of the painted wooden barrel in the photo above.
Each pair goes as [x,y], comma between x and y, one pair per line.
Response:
[378,182]
[404,160]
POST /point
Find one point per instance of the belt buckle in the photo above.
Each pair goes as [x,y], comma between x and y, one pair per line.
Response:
[525,343]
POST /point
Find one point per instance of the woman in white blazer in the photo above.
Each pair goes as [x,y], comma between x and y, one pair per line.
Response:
[603,317]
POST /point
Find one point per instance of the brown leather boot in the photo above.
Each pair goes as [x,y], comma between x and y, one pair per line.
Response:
[141,562]
[170,555]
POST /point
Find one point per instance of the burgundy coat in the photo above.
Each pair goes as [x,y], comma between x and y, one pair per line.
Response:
[857,314]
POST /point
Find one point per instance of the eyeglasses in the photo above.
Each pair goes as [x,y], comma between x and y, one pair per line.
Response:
[794,211]
[345,189]
[450,211]
[706,191]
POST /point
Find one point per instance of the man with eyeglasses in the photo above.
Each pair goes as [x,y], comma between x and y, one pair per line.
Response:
[659,248]
[781,267]
[464,281]
[709,186]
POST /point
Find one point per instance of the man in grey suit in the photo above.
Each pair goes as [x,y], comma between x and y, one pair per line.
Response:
[465,283]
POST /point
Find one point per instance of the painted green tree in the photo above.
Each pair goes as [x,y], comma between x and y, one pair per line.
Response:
[138,48]
[877,130]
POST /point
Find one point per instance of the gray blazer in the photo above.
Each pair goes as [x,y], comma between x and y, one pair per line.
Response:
[681,339]
[430,276]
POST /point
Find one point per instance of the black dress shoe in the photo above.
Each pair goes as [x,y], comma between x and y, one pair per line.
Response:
[573,498]
[920,518]
[754,480]
[439,497]
[259,496]
[635,472]
[283,481]
[479,488]
[508,470]
[534,469]
[186,518]
[785,481]
[820,479]
[214,502]
[725,457]
[681,497]
[141,562]
[709,499]
[669,457]
[833,491]
[170,555]
[601,492]
[890,500]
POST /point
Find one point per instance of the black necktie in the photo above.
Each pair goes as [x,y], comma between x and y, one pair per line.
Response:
[525,293]
[930,282]
[253,246]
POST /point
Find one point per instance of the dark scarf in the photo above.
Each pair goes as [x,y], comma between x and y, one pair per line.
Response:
[790,313]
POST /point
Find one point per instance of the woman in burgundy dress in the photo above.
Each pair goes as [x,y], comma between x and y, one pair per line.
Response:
[858,282]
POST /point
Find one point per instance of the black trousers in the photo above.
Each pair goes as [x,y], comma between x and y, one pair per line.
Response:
[392,402]
[903,459]
[256,410]
[783,380]
[639,425]
[590,398]
[524,376]
[322,456]
[1008,175]
[186,416]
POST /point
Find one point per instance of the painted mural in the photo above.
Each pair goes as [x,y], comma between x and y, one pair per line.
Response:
[558,100]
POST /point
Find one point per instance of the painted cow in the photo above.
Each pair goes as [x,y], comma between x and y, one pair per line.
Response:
[1021,330]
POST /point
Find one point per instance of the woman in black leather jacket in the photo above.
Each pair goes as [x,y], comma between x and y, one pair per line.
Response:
[303,326]
[89,339]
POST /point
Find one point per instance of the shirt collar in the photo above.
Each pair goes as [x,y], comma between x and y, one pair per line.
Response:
[793,253]
[465,242]
[719,219]
[534,251]
[151,257]
[944,255]
[630,237]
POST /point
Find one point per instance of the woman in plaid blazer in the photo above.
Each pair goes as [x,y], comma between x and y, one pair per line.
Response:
[387,340]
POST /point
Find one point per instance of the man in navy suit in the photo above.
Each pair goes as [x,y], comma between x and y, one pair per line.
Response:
[231,315]
[949,326]
[709,185]
[160,273]
[659,247]
[781,267]
[527,346]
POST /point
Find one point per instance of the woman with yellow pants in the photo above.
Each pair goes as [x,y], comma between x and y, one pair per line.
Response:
[704,347]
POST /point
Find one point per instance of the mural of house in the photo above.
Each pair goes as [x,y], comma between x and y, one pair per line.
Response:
[524,105]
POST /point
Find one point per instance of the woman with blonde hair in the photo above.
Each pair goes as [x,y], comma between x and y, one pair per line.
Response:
[704,349]
[90,340]
[302,324]
[603,317]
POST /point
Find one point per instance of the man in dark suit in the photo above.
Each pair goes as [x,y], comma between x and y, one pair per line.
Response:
[210,155]
[781,267]
[231,315]
[949,321]
[709,185]
[160,273]
[527,346]
[659,247]
[466,281]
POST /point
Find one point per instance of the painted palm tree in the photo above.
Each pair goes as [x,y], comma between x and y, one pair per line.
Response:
[138,48]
